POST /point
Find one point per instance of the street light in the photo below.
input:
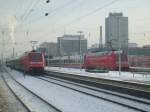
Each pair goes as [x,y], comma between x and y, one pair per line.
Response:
[80,32]
[59,53]
[48,55]
[119,45]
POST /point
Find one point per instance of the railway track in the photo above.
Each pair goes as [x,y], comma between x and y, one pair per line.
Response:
[110,98]
[136,89]
[120,99]
[31,101]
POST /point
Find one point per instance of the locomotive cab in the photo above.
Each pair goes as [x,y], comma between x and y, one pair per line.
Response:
[36,62]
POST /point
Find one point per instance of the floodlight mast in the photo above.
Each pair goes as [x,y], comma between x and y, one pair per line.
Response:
[80,34]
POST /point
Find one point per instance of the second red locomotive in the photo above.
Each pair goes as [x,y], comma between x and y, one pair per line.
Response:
[108,60]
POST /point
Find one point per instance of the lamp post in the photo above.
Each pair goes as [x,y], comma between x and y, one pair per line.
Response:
[48,56]
[80,32]
[59,53]
[119,45]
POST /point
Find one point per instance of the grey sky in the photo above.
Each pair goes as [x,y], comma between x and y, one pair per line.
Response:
[68,16]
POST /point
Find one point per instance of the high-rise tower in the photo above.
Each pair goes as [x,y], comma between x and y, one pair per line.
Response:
[116,31]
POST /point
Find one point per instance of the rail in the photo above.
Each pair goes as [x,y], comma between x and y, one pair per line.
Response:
[100,94]
[29,107]
[127,87]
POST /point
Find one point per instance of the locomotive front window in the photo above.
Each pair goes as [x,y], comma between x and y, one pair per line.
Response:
[35,57]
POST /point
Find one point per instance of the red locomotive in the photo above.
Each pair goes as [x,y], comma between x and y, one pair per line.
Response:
[29,62]
[106,60]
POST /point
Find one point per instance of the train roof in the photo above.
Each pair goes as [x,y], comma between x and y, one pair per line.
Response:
[98,53]
[28,52]
[103,53]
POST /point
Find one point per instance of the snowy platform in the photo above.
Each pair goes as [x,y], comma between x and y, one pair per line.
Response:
[125,76]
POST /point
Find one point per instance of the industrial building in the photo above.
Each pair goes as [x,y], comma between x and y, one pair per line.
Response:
[48,48]
[72,44]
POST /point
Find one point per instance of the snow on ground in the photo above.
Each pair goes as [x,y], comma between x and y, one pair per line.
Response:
[32,101]
[110,75]
[104,95]
[8,102]
[66,99]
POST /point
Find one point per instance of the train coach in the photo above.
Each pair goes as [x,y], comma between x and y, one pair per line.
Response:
[66,61]
[102,60]
[29,62]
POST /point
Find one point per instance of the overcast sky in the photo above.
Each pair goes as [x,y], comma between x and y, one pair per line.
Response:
[26,18]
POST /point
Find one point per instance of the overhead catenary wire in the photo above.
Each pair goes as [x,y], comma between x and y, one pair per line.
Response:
[92,12]
[31,9]
[28,11]
[19,6]
[87,14]
[76,7]
[62,6]
[52,11]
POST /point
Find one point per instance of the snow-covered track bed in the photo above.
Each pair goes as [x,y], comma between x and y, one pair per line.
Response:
[120,99]
[67,99]
[31,101]
[137,89]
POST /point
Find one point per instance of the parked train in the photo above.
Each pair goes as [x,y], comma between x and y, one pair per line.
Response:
[104,60]
[29,62]
[139,61]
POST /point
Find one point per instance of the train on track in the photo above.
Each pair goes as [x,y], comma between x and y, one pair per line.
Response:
[139,61]
[29,62]
[102,60]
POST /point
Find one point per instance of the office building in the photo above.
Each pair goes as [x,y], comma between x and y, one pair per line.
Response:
[49,48]
[116,31]
[72,44]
